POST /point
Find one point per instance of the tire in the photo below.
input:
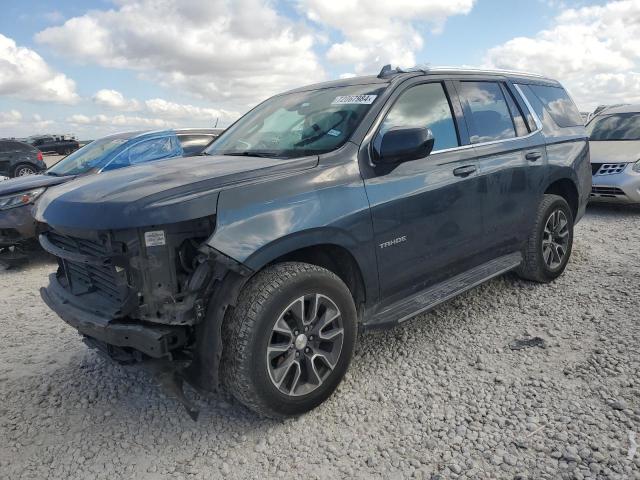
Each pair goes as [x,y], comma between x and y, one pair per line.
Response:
[265,308]
[543,260]
[23,169]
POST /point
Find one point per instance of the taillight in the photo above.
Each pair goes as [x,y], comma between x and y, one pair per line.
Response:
[39,155]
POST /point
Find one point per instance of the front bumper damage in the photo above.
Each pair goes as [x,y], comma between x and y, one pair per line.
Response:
[160,306]
[155,341]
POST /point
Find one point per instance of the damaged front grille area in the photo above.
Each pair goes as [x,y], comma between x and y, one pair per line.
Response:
[95,275]
[154,274]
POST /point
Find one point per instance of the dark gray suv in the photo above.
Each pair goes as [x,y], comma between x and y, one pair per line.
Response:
[323,212]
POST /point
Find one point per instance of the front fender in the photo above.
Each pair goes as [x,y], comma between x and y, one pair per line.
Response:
[260,222]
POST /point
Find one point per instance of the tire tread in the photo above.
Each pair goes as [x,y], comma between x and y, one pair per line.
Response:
[531,268]
[242,324]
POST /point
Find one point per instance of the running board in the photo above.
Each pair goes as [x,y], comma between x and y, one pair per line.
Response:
[407,308]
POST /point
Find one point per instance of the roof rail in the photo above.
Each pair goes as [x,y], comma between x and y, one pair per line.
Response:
[487,70]
[387,71]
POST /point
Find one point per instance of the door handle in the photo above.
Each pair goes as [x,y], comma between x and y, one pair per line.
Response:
[464,171]
[533,156]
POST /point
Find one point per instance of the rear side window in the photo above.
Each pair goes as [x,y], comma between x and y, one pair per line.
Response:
[556,101]
[192,144]
[155,149]
[490,117]
[516,114]
[425,105]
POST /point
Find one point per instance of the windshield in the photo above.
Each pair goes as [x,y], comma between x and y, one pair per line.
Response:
[90,157]
[619,126]
[298,124]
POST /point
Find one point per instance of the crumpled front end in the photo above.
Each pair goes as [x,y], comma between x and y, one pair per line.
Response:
[136,292]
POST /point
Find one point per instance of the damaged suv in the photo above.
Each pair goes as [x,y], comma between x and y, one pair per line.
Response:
[323,212]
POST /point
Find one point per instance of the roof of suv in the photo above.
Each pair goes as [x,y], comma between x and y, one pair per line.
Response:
[387,76]
[620,109]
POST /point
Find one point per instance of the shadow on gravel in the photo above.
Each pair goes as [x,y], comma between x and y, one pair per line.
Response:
[24,259]
[610,210]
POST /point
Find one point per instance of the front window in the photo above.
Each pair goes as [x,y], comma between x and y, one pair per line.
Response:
[619,126]
[298,124]
[89,158]
[425,105]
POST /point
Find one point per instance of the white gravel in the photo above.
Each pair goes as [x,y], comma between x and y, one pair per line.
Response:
[441,397]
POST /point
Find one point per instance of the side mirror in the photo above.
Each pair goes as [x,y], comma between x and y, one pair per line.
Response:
[404,144]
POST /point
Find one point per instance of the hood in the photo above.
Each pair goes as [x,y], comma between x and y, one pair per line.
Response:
[155,193]
[615,151]
[30,182]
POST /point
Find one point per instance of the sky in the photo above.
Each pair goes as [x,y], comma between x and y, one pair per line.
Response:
[94,67]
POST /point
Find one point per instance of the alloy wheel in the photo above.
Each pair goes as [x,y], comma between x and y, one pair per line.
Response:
[555,239]
[305,344]
[24,171]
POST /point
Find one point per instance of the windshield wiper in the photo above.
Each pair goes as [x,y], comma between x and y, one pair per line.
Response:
[251,153]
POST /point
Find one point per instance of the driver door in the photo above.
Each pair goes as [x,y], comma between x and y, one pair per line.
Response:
[426,213]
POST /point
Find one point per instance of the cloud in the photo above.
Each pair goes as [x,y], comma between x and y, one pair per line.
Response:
[124,121]
[10,118]
[164,109]
[15,124]
[241,51]
[167,109]
[377,32]
[594,51]
[115,100]
[24,74]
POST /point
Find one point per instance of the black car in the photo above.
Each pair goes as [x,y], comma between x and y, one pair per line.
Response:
[54,144]
[324,212]
[18,159]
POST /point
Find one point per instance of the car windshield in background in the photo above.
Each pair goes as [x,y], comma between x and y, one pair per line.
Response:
[298,124]
[619,126]
[90,157]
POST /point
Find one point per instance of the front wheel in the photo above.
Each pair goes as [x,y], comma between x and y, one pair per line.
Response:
[289,340]
[548,247]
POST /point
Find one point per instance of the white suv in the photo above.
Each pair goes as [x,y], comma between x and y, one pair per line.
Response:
[614,135]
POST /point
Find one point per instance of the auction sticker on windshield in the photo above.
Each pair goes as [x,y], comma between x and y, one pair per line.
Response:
[354,100]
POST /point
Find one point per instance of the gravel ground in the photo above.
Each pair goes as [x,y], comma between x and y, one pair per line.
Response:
[441,397]
[51,159]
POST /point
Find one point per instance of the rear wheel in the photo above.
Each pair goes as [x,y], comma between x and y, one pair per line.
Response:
[550,242]
[289,341]
[24,169]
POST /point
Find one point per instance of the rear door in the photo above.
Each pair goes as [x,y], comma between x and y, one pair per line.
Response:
[510,155]
[426,213]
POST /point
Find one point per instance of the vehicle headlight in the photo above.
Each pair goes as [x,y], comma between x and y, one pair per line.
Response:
[19,199]
[636,167]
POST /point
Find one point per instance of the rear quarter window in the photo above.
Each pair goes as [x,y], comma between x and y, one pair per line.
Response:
[194,143]
[558,104]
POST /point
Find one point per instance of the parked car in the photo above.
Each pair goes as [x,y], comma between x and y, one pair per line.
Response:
[18,159]
[323,212]
[55,144]
[17,196]
[615,155]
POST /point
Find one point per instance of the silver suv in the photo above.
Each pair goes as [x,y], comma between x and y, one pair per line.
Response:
[615,154]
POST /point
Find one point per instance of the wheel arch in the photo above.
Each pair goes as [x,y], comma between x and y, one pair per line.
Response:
[567,189]
[330,248]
